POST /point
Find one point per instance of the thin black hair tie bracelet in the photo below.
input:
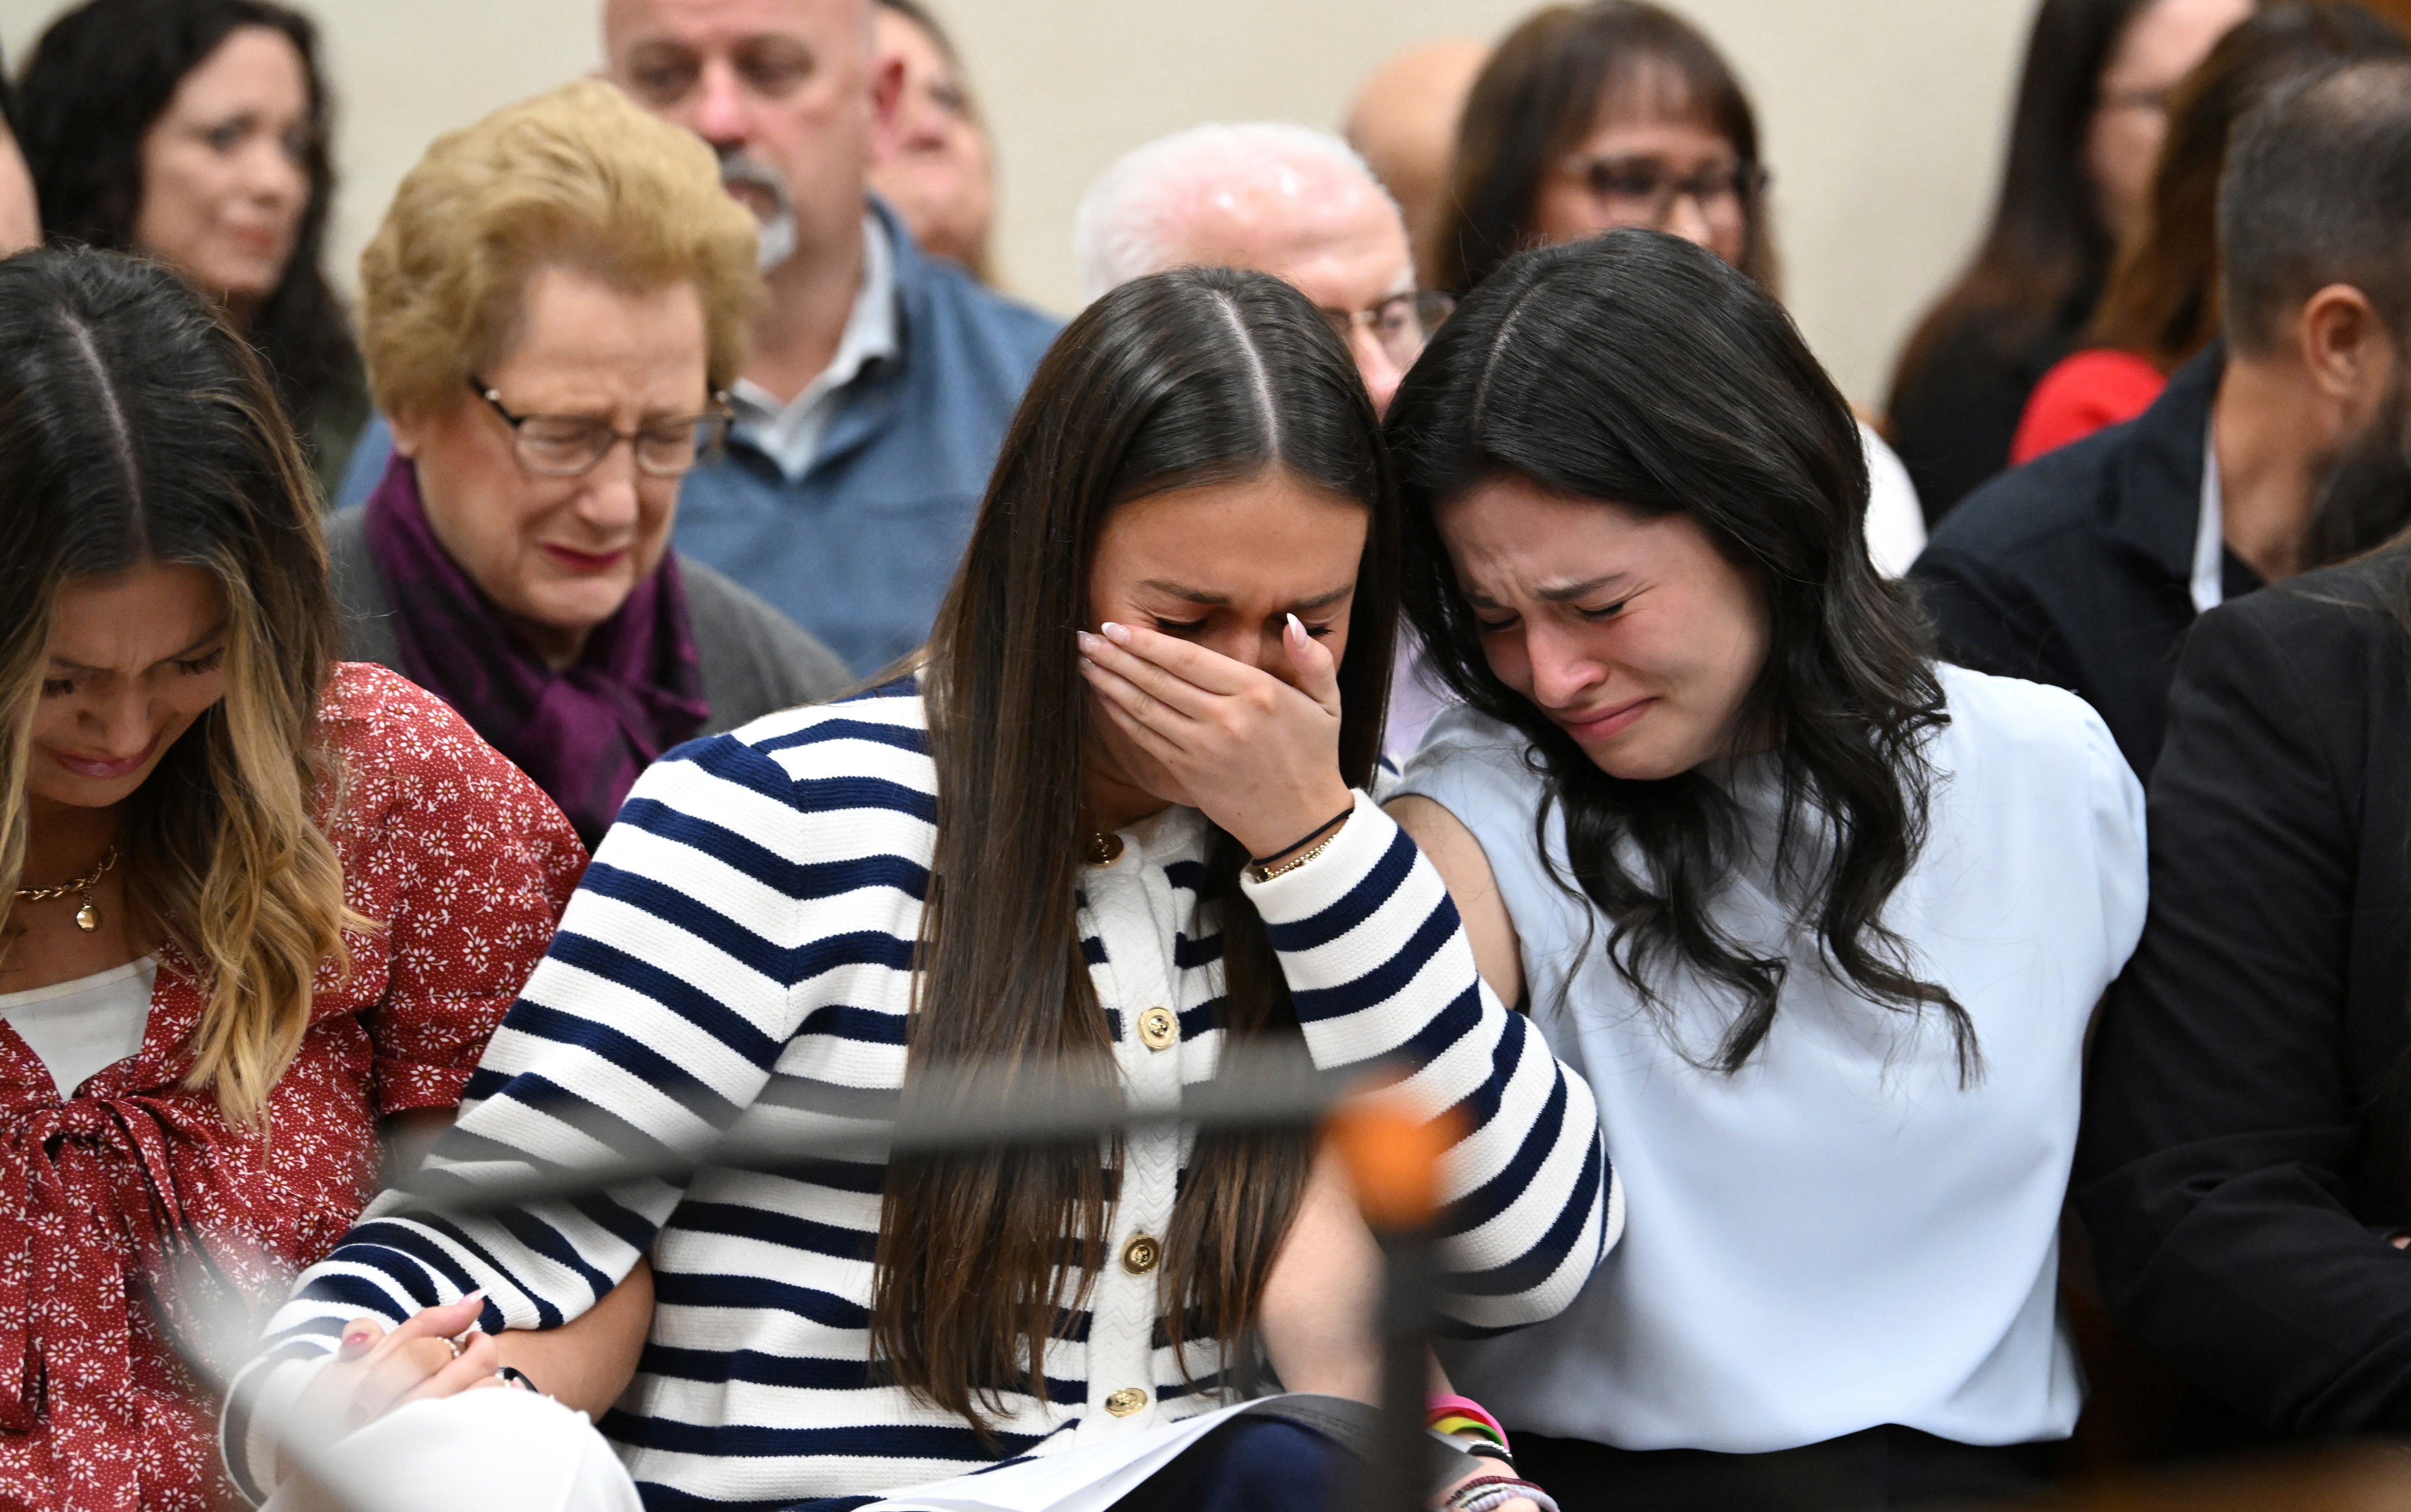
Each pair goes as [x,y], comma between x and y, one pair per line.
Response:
[1262,861]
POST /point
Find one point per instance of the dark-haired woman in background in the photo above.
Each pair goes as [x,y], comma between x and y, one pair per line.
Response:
[2091,110]
[2161,305]
[1821,920]
[1127,846]
[21,221]
[252,902]
[196,132]
[1616,113]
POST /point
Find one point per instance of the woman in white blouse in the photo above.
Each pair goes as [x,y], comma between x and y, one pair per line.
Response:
[1822,921]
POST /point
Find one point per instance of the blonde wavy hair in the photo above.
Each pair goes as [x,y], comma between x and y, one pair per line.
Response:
[136,427]
[581,177]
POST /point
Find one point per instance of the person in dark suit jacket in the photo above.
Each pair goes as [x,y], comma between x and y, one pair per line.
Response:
[2242,1167]
[2085,567]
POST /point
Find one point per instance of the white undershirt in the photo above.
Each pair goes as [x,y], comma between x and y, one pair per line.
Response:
[80,1026]
[790,433]
[2210,536]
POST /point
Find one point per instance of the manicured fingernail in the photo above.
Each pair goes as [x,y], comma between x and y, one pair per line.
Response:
[1087,642]
[478,1297]
[355,1343]
[1117,634]
[1299,628]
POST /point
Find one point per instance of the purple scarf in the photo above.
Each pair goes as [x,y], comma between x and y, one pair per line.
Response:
[583,732]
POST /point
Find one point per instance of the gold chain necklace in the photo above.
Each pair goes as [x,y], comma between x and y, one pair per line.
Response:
[87,917]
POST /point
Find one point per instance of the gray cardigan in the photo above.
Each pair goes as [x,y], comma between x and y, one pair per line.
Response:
[753,659]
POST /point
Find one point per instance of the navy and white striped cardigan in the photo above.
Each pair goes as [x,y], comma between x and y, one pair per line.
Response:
[740,948]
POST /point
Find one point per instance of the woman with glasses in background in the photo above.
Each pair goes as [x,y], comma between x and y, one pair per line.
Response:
[1591,118]
[556,299]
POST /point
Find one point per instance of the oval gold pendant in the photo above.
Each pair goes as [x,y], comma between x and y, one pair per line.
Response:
[87,918]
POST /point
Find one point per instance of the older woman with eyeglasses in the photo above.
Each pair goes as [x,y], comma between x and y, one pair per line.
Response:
[550,311]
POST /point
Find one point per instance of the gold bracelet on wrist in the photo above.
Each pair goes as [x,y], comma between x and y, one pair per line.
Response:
[1265,874]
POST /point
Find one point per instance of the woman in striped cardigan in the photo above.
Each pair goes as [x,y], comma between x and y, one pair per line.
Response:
[1123,849]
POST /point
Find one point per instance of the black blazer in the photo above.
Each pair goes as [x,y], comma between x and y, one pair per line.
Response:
[2077,569]
[2244,1148]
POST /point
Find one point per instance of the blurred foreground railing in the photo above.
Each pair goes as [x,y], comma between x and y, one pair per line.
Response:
[1392,1157]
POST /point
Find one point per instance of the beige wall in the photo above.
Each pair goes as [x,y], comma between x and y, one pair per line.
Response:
[1883,118]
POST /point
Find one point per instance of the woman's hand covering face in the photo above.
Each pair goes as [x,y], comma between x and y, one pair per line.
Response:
[1259,756]
[1218,686]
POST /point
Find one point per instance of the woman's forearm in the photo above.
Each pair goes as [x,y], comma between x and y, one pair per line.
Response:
[1380,969]
[1322,1300]
[588,1362]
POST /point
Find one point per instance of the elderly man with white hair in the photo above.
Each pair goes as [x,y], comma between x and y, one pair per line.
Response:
[1282,199]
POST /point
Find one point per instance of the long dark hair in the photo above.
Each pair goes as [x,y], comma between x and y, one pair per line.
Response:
[135,426]
[1536,99]
[2162,300]
[2046,252]
[98,79]
[1184,379]
[1639,369]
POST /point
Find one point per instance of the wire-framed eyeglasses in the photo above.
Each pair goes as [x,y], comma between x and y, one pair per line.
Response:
[567,445]
[1400,324]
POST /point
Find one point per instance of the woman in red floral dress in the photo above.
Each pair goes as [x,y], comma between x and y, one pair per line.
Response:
[253,903]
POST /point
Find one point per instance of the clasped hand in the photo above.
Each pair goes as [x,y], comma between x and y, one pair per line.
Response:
[437,1352]
[1259,756]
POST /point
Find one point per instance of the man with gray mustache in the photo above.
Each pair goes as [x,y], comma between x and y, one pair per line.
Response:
[880,381]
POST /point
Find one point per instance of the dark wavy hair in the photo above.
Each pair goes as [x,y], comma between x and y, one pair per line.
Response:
[1536,99]
[98,79]
[1641,371]
[1184,379]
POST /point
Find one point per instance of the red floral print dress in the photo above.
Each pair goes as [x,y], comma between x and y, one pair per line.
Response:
[135,1185]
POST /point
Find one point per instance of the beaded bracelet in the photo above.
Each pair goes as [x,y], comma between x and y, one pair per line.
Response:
[1268,858]
[1265,874]
[1481,1448]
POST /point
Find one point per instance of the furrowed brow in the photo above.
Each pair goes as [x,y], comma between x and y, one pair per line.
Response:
[1182,591]
[1323,600]
[185,654]
[1568,592]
